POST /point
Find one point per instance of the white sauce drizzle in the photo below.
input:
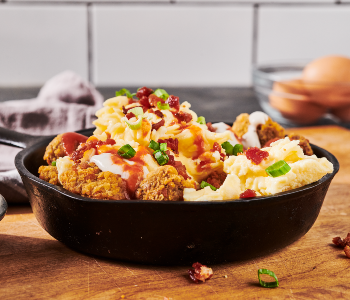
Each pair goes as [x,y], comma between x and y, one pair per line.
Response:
[105,163]
[222,127]
[251,138]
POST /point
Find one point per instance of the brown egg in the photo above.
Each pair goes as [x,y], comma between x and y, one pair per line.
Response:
[292,100]
[343,113]
[327,79]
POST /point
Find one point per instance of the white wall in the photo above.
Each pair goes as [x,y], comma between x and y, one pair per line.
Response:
[182,43]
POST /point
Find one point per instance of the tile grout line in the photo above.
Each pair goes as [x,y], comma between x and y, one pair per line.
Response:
[90,55]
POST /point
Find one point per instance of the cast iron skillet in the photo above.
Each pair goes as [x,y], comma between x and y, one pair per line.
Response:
[166,233]
[3,207]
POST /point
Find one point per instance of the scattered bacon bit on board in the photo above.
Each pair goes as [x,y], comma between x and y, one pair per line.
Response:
[200,272]
[174,102]
[347,251]
[342,243]
[156,126]
[256,155]
[173,144]
[183,116]
[210,127]
[216,179]
[248,194]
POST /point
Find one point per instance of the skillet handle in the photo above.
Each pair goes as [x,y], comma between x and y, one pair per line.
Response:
[17,139]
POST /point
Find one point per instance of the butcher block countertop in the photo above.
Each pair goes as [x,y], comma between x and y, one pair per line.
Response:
[36,266]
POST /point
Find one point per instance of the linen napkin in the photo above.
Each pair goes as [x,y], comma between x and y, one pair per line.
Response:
[65,103]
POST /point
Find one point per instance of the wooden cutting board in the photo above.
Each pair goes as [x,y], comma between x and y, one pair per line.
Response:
[36,266]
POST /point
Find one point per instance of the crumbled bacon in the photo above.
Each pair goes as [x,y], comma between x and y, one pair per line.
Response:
[216,179]
[156,126]
[130,115]
[210,127]
[200,272]
[342,243]
[173,102]
[248,194]
[173,144]
[125,110]
[143,92]
[347,251]
[153,100]
[145,103]
[157,113]
[180,168]
[268,143]
[256,155]
[183,116]
[78,154]
[217,147]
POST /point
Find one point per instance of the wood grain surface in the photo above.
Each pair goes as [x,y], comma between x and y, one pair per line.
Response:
[35,266]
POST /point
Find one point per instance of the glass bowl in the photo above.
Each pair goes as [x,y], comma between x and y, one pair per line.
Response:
[290,101]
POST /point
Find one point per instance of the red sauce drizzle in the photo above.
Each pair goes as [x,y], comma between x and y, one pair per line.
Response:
[256,155]
[174,102]
[77,155]
[173,144]
[71,141]
[248,194]
[180,168]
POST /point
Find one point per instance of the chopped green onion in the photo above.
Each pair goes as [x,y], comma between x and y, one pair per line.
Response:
[127,151]
[163,146]
[278,169]
[161,94]
[122,92]
[163,106]
[204,184]
[53,164]
[238,148]
[232,150]
[137,111]
[201,120]
[268,284]
[153,145]
[133,125]
[161,157]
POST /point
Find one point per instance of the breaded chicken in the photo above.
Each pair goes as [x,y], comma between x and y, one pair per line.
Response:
[163,184]
[49,174]
[304,143]
[88,180]
[240,126]
[54,150]
[270,130]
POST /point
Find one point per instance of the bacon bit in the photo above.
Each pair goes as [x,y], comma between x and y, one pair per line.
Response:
[173,144]
[180,168]
[199,142]
[200,272]
[183,116]
[268,143]
[77,155]
[125,110]
[216,179]
[156,112]
[156,126]
[173,102]
[248,194]
[210,127]
[144,102]
[143,92]
[217,147]
[342,243]
[256,155]
[347,251]
[153,100]
[131,101]
[130,115]
[204,164]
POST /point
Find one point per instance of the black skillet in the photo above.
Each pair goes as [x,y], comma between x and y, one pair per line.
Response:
[166,233]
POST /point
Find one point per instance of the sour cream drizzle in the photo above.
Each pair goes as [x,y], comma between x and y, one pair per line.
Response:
[221,127]
[251,138]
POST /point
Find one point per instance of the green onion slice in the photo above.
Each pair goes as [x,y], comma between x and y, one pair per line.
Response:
[137,111]
[163,146]
[161,157]
[153,145]
[133,125]
[204,184]
[278,169]
[201,120]
[161,94]
[268,284]
[163,106]
[122,92]
[127,151]
[238,148]
[232,150]
[53,164]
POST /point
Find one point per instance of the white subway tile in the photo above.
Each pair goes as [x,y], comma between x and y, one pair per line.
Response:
[288,33]
[38,41]
[172,45]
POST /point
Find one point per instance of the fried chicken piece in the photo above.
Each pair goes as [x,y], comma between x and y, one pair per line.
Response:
[216,179]
[163,184]
[88,180]
[54,150]
[49,174]
[270,130]
[240,126]
[304,143]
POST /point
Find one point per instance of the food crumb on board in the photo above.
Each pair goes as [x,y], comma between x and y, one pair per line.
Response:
[225,276]
[122,296]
